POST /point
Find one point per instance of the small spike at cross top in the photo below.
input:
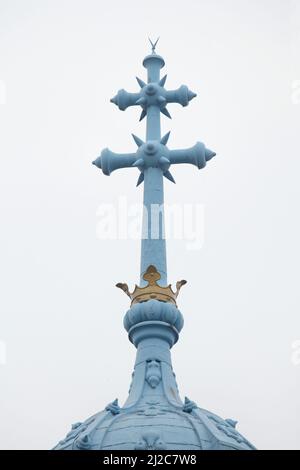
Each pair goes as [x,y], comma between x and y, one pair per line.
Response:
[140,82]
[137,140]
[163,81]
[153,45]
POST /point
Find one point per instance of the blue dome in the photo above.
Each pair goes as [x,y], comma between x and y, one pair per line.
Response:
[155,427]
[154,417]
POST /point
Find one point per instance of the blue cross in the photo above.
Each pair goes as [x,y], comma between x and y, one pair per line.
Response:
[153,158]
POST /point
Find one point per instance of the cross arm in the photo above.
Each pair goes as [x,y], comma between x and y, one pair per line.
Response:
[110,161]
[123,99]
[197,155]
[153,154]
[182,95]
[153,94]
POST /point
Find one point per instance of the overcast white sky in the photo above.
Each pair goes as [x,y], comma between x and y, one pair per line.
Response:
[67,354]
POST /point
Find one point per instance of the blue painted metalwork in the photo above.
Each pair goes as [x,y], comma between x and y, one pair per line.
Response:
[153,158]
[153,416]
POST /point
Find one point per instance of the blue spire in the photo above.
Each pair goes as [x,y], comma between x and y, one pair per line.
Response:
[154,416]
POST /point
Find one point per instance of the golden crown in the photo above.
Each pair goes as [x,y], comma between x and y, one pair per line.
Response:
[152,290]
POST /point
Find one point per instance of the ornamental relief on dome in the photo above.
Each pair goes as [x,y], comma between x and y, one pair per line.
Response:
[113,407]
[83,442]
[153,373]
[150,441]
[76,430]
[152,408]
[227,426]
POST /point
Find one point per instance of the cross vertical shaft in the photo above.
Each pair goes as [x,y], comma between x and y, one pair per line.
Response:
[153,243]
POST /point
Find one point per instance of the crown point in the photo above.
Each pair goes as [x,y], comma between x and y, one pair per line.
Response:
[153,290]
[151,275]
[124,287]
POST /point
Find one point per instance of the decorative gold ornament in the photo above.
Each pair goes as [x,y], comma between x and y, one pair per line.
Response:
[152,290]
